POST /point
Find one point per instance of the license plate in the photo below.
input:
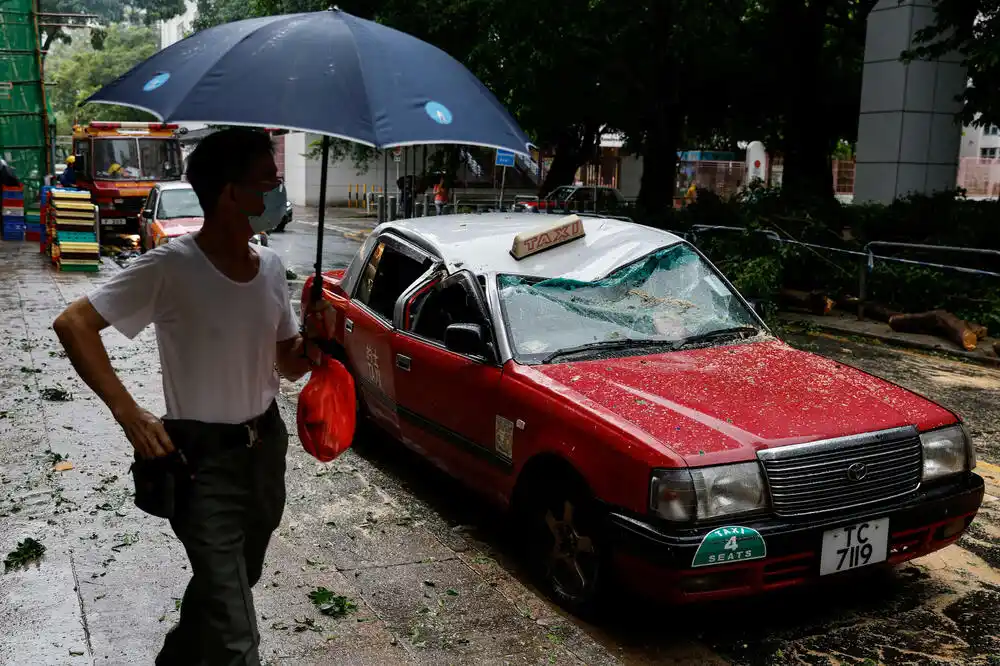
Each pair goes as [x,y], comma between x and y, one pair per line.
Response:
[114,221]
[854,546]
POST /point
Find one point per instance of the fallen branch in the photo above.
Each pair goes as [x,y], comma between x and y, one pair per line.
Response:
[980,330]
[936,322]
[815,302]
[874,311]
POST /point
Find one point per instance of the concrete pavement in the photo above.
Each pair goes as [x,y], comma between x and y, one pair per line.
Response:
[107,587]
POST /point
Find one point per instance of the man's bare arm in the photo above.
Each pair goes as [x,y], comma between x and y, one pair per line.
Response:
[79,329]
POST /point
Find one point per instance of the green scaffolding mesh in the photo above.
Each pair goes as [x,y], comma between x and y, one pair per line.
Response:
[23,130]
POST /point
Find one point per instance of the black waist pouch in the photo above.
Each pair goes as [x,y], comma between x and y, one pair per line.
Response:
[157,482]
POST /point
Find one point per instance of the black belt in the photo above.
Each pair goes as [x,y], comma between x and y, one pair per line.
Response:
[224,434]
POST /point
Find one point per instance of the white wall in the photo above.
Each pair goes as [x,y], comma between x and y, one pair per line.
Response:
[976,138]
[172,31]
[302,175]
[907,138]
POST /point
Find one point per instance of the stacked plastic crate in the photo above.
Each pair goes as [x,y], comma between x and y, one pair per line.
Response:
[44,240]
[13,213]
[73,231]
[33,225]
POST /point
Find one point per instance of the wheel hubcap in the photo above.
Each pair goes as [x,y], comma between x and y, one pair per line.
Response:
[571,561]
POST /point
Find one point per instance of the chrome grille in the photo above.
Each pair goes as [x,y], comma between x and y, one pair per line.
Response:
[827,475]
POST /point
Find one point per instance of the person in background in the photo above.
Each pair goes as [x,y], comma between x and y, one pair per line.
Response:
[440,196]
[691,194]
[225,330]
[68,177]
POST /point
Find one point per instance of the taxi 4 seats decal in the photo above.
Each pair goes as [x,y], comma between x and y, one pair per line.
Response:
[730,544]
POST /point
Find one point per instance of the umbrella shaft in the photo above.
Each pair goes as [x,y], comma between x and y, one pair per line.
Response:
[317,287]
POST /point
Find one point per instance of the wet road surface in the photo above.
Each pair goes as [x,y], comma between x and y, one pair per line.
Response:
[428,565]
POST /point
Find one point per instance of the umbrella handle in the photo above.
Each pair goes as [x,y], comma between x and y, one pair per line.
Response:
[317,285]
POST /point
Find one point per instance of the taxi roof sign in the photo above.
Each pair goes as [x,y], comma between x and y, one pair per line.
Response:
[564,230]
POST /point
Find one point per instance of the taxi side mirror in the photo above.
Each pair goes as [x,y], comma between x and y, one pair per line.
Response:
[148,213]
[465,339]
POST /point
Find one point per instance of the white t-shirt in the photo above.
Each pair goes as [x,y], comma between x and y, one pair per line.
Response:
[217,338]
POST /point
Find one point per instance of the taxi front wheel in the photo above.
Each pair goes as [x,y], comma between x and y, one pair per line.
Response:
[566,547]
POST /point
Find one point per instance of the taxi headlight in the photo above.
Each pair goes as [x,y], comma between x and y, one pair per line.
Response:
[947,451]
[702,493]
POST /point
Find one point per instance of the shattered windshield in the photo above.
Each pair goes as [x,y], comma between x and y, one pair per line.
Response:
[671,296]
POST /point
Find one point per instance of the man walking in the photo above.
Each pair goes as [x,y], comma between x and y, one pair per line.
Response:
[223,323]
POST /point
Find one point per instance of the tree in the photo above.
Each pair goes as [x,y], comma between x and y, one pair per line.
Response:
[804,85]
[78,70]
[140,12]
[971,28]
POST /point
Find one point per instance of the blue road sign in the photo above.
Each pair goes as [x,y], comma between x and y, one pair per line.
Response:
[505,158]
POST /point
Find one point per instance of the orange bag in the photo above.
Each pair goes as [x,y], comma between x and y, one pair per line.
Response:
[326,413]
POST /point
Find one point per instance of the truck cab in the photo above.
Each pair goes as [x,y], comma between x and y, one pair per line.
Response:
[119,163]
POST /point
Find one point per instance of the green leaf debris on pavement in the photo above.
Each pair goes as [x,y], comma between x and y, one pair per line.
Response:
[57,394]
[331,604]
[27,551]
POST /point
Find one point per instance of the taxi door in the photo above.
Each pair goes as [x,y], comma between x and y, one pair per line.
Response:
[447,379]
[393,266]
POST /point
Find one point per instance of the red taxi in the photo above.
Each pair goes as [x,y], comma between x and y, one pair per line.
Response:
[171,210]
[605,382]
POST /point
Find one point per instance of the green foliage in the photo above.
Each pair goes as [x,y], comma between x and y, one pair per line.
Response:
[77,71]
[137,12]
[362,157]
[760,267]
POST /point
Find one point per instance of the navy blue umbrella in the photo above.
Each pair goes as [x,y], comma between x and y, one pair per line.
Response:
[327,72]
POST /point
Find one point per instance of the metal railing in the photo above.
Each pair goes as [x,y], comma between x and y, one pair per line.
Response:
[866,256]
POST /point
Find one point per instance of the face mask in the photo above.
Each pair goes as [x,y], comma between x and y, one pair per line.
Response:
[274,205]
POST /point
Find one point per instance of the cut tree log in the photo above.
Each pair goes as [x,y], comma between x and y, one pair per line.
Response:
[873,311]
[980,330]
[937,322]
[815,302]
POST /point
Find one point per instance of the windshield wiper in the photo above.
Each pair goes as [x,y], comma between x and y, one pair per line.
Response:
[722,333]
[607,345]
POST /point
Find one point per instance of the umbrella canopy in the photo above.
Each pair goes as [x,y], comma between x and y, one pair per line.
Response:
[327,72]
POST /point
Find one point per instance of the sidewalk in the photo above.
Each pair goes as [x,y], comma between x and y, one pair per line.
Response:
[847,324]
[427,590]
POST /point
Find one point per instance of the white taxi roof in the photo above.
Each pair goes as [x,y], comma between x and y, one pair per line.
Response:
[481,243]
[173,185]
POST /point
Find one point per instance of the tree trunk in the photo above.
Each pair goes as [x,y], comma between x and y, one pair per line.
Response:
[573,148]
[937,322]
[659,164]
[808,172]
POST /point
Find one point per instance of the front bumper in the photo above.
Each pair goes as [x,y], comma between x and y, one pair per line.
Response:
[656,559]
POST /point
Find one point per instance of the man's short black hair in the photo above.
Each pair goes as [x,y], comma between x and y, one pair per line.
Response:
[222,158]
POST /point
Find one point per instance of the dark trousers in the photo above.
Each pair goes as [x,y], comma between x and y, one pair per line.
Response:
[224,516]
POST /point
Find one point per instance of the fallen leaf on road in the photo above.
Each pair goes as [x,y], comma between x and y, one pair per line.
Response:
[76,653]
[63,466]
[27,551]
[307,624]
[56,394]
[331,604]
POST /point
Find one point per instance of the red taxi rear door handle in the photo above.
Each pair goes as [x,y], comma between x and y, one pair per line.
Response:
[403,362]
